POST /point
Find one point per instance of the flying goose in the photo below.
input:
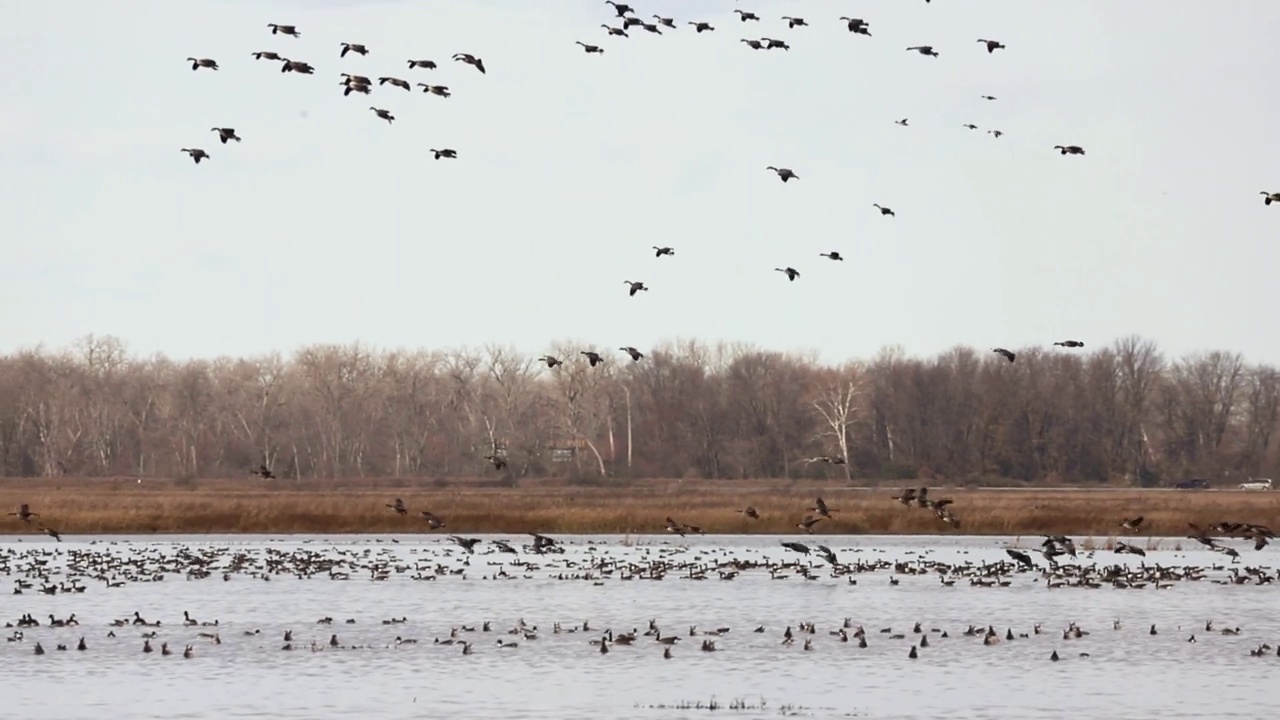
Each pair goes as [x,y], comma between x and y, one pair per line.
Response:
[225,134]
[52,533]
[497,461]
[753,44]
[441,90]
[263,472]
[797,547]
[620,32]
[794,22]
[1007,355]
[772,44]
[857,25]
[884,210]
[620,8]
[969,126]
[986,97]
[296,66]
[425,64]
[1267,197]
[701,26]
[350,86]
[747,15]
[384,114]
[820,507]
[1069,149]
[1133,524]
[992,45]
[649,27]
[1127,549]
[660,251]
[750,512]
[468,544]
[807,523]
[267,55]
[636,355]
[284,30]
[591,49]
[791,273]
[24,513]
[902,122]
[445,153]
[636,286]
[394,81]
[669,22]
[1070,343]
[197,63]
[784,174]
[398,507]
[348,78]
[593,358]
[196,154]
[924,50]
[1022,558]
[995,133]
[472,60]
[434,522]
[550,360]
[833,255]
[353,47]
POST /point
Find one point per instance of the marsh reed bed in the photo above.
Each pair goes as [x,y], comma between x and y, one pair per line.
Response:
[125,506]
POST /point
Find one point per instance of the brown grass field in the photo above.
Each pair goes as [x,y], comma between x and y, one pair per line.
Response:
[125,506]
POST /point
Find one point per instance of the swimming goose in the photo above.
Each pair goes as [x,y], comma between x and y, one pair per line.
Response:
[284,30]
[197,63]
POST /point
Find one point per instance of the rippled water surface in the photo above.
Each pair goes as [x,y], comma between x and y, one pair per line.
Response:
[1127,673]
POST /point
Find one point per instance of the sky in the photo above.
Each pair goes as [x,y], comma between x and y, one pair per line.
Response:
[327,225]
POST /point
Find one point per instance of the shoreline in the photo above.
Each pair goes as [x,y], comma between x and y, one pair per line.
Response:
[122,506]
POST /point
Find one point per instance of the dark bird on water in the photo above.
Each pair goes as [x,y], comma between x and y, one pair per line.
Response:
[592,357]
[790,272]
[660,251]
[636,355]
[636,286]
[1007,355]
[833,255]
[1070,344]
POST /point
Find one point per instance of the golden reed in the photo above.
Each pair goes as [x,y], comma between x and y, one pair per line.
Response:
[122,505]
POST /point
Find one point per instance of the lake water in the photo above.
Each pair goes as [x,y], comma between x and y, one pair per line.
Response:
[1128,673]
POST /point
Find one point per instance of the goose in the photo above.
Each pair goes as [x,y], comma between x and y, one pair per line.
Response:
[445,153]
[348,78]
[1133,524]
[277,29]
[353,47]
[1020,557]
[650,27]
[902,122]
[857,25]
[808,522]
[772,44]
[619,32]
[833,255]
[820,507]
[674,527]
[750,512]
[660,251]
[593,357]
[468,544]
[1069,343]
[883,210]
[636,355]
[969,126]
[550,360]
[794,22]
[352,86]
[797,547]
[636,286]
[472,60]
[589,49]
[790,272]
[398,507]
[197,63]
[753,44]
[924,50]
[225,134]
[986,97]
[196,154]
[434,522]
[620,8]
[424,64]
[394,81]
[441,90]
[498,462]
[784,174]
[824,459]
[701,27]
[297,66]
[995,133]
[1069,149]
[1127,549]
[384,114]
[666,21]
[745,16]
[266,55]
[992,45]
[188,652]
[262,470]
[1007,355]
[1267,197]
[24,513]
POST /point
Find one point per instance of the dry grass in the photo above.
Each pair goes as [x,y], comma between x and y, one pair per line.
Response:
[251,506]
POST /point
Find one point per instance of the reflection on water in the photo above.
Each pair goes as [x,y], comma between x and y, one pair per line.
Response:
[1127,673]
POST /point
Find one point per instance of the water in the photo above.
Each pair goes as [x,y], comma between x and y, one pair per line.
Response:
[1129,673]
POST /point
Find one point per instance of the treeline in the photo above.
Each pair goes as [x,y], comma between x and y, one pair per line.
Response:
[1122,413]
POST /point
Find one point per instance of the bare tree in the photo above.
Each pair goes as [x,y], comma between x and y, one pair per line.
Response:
[839,403]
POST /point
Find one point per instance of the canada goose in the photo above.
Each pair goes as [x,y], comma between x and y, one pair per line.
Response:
[1022,558]
[636,355]
[995,133]
[902,122]
[833,255]
[1267,197]
[353,47]
[666,653]
[349,79]
[441,90]
[907,496]
[164,649]
[660,251]
[808,522]
[772,44]
[262,470]
[445,153]
[747,15]
[591,49]
[668,22]
[674,527]
[468,544]
[750,512]
[1005,354]
[1069,149]
[883,210]
[593,357]
[992,45]
[434,522]
[987,97]
[701,26]
[1133,524]
[619,32]
[284,30]
[394,81]
[196,154]
[39,649]
[636,286]
[353,86]
[790,272]
[197,63]
[794,22]
[188,652]
[24,513]
[620,8]
[913,653]
[857,25]
[753,44]
[384,114]
[225,134]
[82,646]
[146,646]
[969,126]
[297,66]
[797,547]
[267,55]
[498,462]
[820,507]
[550,360]
[650,27]
[784,174]
[1070,344]
[398,506]
[1127,549]
[924,50]
[425,64]
[472,60]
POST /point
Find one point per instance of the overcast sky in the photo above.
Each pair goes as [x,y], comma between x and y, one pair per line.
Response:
[326,224]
